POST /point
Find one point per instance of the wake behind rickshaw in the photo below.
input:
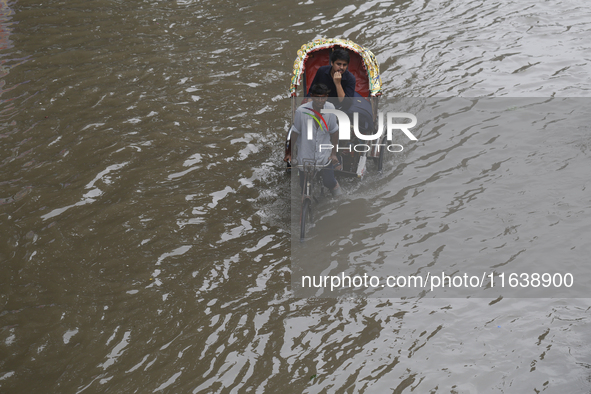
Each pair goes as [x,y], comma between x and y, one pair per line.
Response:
[364,66]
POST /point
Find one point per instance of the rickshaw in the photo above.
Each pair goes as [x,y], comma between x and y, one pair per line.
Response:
[368,89]
[368,86]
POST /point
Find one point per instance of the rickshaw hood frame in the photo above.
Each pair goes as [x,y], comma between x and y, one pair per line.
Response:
[369,62]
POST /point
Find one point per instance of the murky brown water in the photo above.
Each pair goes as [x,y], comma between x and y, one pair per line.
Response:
[144,214]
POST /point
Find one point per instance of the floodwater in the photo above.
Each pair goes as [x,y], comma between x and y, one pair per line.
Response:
[145,215]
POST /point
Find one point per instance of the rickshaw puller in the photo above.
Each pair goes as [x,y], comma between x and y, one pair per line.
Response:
[308,148]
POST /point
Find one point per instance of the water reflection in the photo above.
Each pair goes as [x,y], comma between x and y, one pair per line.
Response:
[145,226]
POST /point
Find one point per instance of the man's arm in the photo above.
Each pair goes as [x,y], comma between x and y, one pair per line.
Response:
[337,78]
[294,133]
[292,144]
[345,88]
[349,86]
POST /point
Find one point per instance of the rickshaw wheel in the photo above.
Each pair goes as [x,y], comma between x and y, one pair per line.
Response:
[305,218]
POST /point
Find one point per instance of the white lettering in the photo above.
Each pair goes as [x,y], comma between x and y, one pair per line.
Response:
[378,147]
[401,126]
[390,149]
[344,124]
[369,137]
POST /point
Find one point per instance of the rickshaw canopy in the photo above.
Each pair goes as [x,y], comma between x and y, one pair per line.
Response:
[363,65]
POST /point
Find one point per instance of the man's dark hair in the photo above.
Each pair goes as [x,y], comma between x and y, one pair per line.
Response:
[319,89]
[339,54]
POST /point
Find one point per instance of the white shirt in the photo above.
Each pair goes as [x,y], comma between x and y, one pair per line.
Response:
[318,148]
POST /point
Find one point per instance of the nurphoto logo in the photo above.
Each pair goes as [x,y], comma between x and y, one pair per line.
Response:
[345,130]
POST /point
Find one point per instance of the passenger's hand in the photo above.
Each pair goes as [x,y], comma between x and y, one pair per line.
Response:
[287,157]
[337,78]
